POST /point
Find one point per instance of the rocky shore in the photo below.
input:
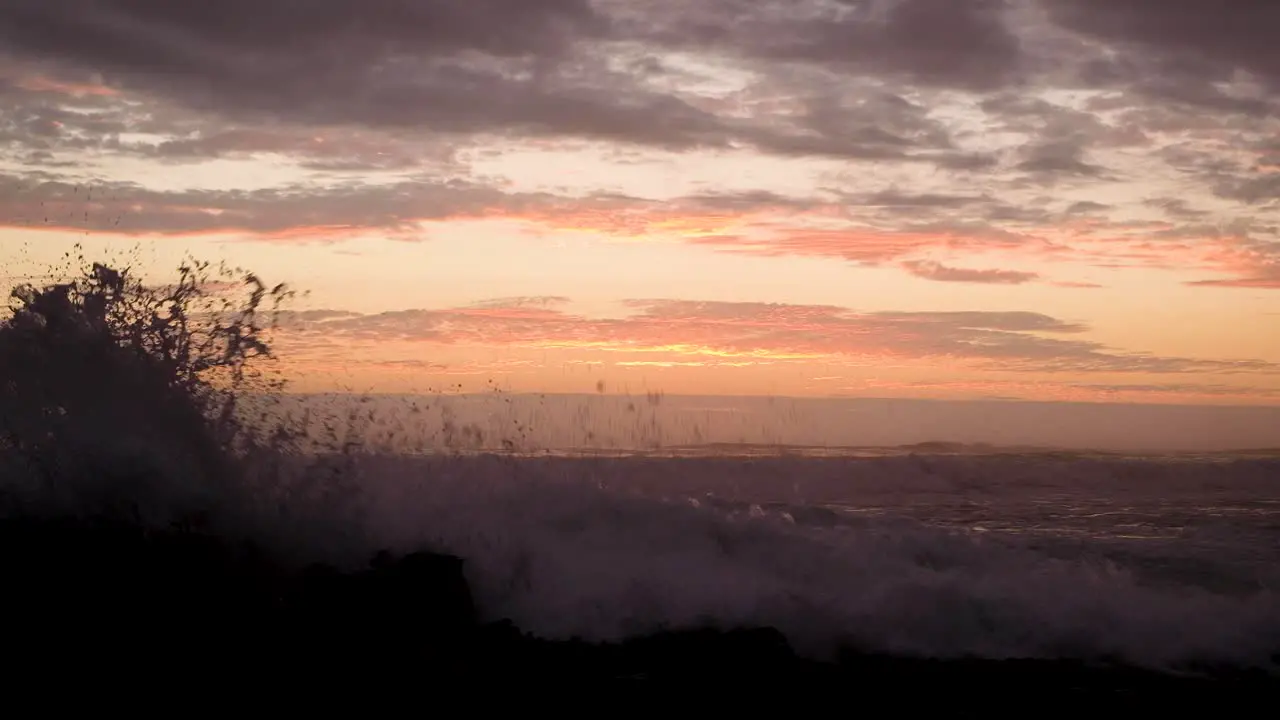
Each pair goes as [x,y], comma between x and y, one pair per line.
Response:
[94,595]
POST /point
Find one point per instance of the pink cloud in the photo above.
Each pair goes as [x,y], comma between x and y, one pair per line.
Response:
[688,331]
[865,245]
[1254,264]
[760,224]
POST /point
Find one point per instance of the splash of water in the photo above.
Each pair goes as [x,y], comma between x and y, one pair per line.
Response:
[125,400]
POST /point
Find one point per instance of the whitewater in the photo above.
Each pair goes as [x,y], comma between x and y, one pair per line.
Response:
[1158,562]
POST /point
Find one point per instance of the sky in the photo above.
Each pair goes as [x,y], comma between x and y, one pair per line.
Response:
[1050,200]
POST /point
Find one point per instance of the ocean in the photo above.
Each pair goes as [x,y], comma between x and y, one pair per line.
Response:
[941,549]
[1154,560]
[989,529]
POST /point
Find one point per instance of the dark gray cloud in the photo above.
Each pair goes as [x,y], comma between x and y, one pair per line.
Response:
[48,127]
[1085,207]
[298,212]
[320,209]
[938,43]
[1177,209]
[554,68]
[837,119]
[1058,159]
[525,65]
[489,65]
[512,66]
[1252,189]
[1061,138]
[259,48]
[1189,39]
[897,199]
[965,214]
[346,86]
[1245,178]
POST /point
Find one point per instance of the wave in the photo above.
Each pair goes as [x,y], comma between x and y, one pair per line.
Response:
[883,554]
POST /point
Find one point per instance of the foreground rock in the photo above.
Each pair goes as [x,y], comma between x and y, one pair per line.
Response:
[103,597]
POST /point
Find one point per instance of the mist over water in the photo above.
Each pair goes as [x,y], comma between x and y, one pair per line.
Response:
[940,550]
[944,556]
[654,421]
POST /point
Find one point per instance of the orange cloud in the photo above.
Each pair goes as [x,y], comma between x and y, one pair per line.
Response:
[864,245]
[1254,264]
[686,219]
[755,333]
[759,224]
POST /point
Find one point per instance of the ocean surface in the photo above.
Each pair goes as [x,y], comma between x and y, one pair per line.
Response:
[1153,559]
[941,548]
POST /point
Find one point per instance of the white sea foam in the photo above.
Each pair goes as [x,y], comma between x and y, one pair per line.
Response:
[566,548]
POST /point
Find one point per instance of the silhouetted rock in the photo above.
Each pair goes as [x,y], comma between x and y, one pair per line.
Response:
[709,653]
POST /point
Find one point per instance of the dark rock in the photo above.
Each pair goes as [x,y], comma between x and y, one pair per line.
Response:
[81,595]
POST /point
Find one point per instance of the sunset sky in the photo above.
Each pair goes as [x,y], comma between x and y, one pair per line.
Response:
[1033,199]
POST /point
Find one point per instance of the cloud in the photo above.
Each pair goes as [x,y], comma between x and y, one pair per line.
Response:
[541,70]
[916,232]
[1189,40]
[961,128]
[930,42]
[286,54]
[292,213]
[399,65]
[937,271]
[862,244]
[1057,159]
[685,331]
[1254,189]
[1255,264]
[45,122]
[347,86]
[836,79]
[602,69]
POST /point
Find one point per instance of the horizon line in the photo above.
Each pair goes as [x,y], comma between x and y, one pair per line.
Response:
[1268,405]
